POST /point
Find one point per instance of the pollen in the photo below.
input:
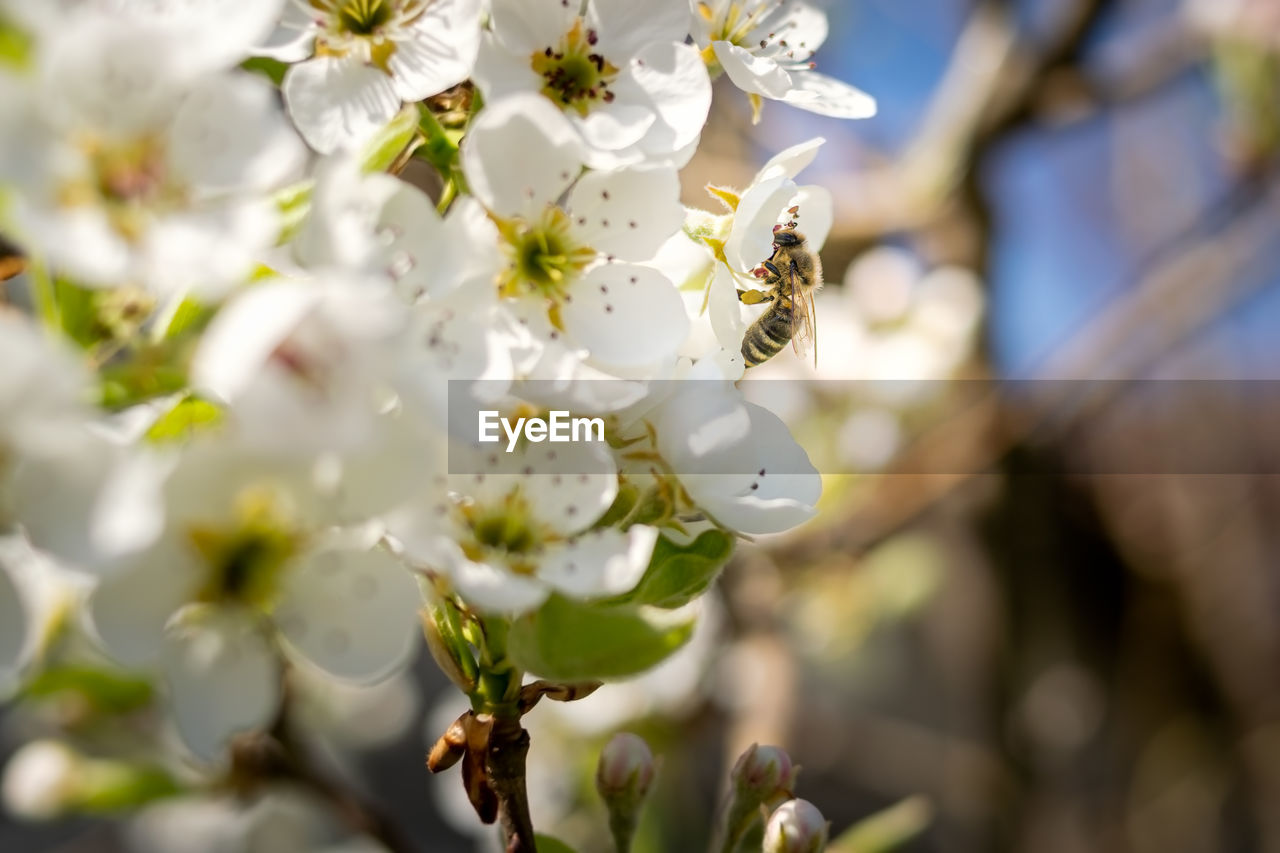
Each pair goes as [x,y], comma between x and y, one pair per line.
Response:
[574,75]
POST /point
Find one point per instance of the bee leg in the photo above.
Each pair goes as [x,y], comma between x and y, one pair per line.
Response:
[754,297]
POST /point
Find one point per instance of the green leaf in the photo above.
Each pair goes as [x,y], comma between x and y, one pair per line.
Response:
[387,146]
[547,844]
[886,830]
[78,312]
[111,787]
[677,574]
[105,691]
[15,45]
[189,417]
[572,641]
[272,69]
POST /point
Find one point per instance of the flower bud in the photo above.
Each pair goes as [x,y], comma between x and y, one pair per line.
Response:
[796,827]
[623,778]
[763,772]
[40,780]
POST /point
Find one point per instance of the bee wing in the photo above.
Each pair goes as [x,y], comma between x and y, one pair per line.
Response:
[802,326]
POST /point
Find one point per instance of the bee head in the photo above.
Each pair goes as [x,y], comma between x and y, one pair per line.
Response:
[788,236]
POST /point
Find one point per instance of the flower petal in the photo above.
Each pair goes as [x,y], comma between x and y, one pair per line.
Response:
[550,155]
[751,239]
[828,96]
[229,134]
[130,608]
[759,75]
[439,51]
[351,613]
[675,80]
[14,624]
[625,27]
[790,161]
[628,213]
[626,315]
[223,675]
[525,26]
[338,103]
[497,590]
[600,563]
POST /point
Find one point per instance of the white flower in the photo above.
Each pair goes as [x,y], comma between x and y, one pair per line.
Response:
[506,541]
[359,60]
[574,262]
[15,645]
[736,461]
[765,46]
[745,237]
[134,164]
[633,90]
[243,563]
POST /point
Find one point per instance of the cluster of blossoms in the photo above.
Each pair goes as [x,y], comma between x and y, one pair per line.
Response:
[242,369]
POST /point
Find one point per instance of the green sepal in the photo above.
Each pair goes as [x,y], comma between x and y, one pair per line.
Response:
[184,421]
[573,641]
[389,144]
[272,69]
[102,690]
[678,574]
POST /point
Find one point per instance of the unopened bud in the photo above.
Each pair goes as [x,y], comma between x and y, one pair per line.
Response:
[623,778]
[796,827]
[762,772]
[40,780]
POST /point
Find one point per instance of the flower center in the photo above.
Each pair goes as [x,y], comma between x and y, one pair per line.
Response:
[574,75]
[545,257]
[508,530]
[247,560]
[130,180]
[363,17]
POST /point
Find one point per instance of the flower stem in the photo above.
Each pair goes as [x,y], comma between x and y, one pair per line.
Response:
[508,749]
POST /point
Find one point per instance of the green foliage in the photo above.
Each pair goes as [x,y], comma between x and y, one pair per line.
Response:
[293,203]
[272,69]
[190,416]
[677,574]
[571,641]
[104,691]
[114,787]
[15,45]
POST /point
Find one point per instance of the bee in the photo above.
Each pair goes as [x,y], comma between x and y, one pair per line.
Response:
[793,273]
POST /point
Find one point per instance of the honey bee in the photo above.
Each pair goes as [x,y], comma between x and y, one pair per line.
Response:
[793,274]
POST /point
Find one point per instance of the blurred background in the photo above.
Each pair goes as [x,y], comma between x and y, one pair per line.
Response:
[1040,608]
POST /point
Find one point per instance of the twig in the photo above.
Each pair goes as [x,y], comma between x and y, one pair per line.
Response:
[508,749]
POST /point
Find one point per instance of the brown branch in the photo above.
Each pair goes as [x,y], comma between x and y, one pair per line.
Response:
[508,749]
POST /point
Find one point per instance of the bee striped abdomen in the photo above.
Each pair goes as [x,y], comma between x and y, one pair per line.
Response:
[769,334]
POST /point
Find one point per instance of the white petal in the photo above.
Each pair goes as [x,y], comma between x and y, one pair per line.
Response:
[674,78]
[499,72]
[600,563]
[629,213]
[293,38]
[828,96]
[816,216]
[439,51]
[224,677]
[206,250]
[497,590]
[525,26]
[245,333]
[759,75]
[582,487]
[129,609]
[338,104]
[611,127]
[626,27]
[751,239]
[626,315]
[435,258]
[352,613]
[725,309]
[229,134]
[549,155]
[790,161]
[784,496]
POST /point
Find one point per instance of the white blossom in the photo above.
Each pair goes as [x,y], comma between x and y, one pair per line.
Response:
[766,49]
[358,61]
[632,90]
